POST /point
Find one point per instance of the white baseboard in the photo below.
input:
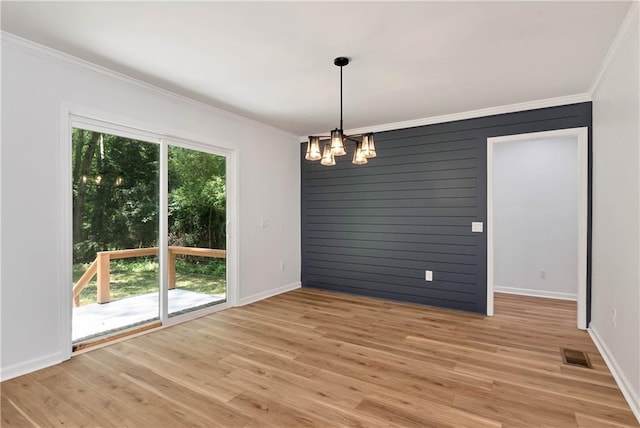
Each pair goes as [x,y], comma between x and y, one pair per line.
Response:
[269,293]
[536,293]
[29,366]
[621,379]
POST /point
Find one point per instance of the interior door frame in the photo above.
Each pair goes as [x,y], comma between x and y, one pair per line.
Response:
[582,136]
[73,116]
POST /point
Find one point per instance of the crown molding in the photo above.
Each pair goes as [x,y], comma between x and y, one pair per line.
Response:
[472,114]
[62,58]
[631,18]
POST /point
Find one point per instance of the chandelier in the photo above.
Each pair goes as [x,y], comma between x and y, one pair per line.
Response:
[334,144]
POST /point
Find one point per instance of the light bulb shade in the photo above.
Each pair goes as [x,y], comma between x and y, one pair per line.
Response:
[327,156]
[337,142]
[358,155]
[368,145]
[313,149]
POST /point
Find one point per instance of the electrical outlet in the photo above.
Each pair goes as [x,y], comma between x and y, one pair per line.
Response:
[543,274]
[428,275]
[282,266]
[614,315]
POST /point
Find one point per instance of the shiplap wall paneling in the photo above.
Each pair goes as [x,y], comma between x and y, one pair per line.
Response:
[374,229]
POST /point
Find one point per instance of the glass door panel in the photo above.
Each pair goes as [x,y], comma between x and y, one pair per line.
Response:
[115,233]
[197,242]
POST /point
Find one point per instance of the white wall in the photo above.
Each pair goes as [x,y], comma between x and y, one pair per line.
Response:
[616,210]
[535,217]
[35,84]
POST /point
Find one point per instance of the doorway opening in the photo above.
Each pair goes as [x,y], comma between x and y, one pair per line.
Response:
[537,204]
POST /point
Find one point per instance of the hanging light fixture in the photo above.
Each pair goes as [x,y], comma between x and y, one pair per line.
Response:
[335,142]
[368,146]
[313,149]
[328,158]
[359,157]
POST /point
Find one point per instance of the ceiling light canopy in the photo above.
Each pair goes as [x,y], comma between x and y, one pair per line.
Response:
[334,144]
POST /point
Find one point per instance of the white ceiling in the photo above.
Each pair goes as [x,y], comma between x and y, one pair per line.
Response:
[273,62]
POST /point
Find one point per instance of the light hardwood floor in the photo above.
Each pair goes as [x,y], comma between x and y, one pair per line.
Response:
[315,358]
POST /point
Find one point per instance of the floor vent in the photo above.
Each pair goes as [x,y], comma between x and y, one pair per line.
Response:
[575,358]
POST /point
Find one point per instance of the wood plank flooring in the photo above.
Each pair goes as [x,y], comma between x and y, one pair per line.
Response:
[317,358]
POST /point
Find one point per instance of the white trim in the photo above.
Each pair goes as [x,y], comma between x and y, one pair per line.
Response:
[60,57]
[535,293]
[557,133]
[627,24]
[233,227]
[195,145]
[96,120]
[269,293]
[26,367]
[66,233]
[583,155]
[489,229]
[1,211]
[625,385]
[91,121]
[472,114]
[163,231]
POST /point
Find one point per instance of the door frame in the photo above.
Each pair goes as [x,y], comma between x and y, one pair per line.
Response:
[582,136]
[74,116]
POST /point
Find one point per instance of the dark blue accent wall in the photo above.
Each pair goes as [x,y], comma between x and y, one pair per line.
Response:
[374,229]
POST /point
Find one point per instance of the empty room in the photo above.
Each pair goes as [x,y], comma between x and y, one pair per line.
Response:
[283,214]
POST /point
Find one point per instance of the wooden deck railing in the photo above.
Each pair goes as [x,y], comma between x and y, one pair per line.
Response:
[101,267]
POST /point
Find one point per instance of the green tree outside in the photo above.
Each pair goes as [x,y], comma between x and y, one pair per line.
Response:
[115,206]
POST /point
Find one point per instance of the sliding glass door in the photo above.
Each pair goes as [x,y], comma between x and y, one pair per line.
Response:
[126,193]
[115,233]
[197,242]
